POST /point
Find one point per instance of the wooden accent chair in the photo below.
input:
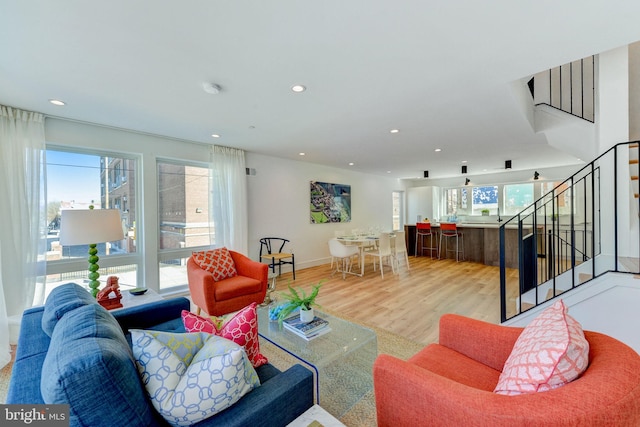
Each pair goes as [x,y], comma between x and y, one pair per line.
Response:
[452,383]
[272,251]
[231,294]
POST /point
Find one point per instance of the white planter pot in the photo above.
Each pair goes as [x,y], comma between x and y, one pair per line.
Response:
[306,316]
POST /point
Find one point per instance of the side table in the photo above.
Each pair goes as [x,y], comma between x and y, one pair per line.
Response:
[129,300]
[272,278]
[316,414]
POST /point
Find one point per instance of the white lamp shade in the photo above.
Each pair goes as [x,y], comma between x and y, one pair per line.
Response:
[88,226]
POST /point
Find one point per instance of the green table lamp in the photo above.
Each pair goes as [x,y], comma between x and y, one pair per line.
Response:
[90,227]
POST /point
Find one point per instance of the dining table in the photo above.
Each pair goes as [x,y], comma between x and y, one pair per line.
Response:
[362,241]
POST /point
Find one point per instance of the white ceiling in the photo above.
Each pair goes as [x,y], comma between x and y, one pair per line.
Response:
[438,71]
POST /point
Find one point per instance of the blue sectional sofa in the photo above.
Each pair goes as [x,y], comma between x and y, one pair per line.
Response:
[73,351]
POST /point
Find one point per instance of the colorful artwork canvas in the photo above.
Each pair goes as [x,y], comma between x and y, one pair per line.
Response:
[330,202]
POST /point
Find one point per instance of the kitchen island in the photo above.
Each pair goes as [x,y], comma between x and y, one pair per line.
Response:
[481,242]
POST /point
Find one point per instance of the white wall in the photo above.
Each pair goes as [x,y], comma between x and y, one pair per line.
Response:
[612,106]
[279,205]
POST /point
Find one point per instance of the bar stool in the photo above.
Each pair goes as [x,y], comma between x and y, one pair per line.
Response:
[447,231]
[423,229]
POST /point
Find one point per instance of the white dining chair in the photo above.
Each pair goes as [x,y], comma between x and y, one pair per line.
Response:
[337,233]
[343,254]
[383,252]
[400,249]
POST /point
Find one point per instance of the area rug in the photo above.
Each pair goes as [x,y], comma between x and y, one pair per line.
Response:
[5,375]
[363,413]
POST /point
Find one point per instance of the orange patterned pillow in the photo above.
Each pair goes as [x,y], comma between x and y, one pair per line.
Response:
[218,262]
[550,352]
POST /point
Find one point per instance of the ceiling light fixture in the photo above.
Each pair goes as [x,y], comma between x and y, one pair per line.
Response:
[536,175]
[437,150]
[467,181]
[298,88]
[302,154]
[351,163]
[215,135]
[394,130]
[211,88]
[57,102]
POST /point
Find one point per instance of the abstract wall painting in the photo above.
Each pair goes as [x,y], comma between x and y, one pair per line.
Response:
[330,202]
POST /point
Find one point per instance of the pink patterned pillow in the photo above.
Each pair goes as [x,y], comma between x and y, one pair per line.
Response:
[241,328]
[218,262]
[550,352]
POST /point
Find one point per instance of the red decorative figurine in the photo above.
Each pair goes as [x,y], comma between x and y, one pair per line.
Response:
[104,298]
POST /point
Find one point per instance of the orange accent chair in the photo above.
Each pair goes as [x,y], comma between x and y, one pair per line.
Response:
[231,294]
[452,383]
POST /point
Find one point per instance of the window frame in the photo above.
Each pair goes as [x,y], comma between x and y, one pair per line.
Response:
[170,254]
[72,265]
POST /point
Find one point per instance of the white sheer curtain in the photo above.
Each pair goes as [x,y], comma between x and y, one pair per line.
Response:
[229,198]
[22,241]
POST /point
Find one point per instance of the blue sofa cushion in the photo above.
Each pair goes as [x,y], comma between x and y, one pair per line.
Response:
[61,300]
[90,367]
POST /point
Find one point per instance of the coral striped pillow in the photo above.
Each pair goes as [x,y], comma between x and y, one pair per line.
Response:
[550,352]
[218,262]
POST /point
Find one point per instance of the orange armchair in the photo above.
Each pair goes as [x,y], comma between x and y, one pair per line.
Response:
[451,383]
[231,294]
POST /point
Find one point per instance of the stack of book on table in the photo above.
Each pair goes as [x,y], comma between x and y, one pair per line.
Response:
[308,331]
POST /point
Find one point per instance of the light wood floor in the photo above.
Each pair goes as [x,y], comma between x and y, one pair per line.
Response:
[411,302]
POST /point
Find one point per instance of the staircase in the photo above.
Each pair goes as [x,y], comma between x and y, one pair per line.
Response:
[569,88]
[585,227]
[633,170]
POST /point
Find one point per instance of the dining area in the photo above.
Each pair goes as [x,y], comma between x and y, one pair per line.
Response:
[350,251]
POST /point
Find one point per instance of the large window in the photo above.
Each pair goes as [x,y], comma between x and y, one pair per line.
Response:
[183,217]
[451,197]
[398,212]
[77,180]
[484,199]
[517,197]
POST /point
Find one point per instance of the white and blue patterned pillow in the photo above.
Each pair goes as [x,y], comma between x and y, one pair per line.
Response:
[191,376]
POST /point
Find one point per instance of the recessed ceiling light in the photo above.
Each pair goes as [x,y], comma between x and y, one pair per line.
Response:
[437,150]
[57,102]
[298,88]
[215,135]
[388,171]
[211,88]
[394,130]
[464,161]
[351,163]
[302,154]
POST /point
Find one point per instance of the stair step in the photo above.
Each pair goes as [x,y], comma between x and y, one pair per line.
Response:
[583,277]
[634,145]
[633,161]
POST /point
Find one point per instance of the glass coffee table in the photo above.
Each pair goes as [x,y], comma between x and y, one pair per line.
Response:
[342,359]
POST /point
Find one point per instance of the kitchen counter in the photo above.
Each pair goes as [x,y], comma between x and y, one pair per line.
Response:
[481,242]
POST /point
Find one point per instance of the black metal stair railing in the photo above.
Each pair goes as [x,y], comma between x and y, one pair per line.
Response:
[572,235]
[569,88]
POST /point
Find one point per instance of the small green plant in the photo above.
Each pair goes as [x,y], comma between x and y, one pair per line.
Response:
[298,298]
[485,212]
